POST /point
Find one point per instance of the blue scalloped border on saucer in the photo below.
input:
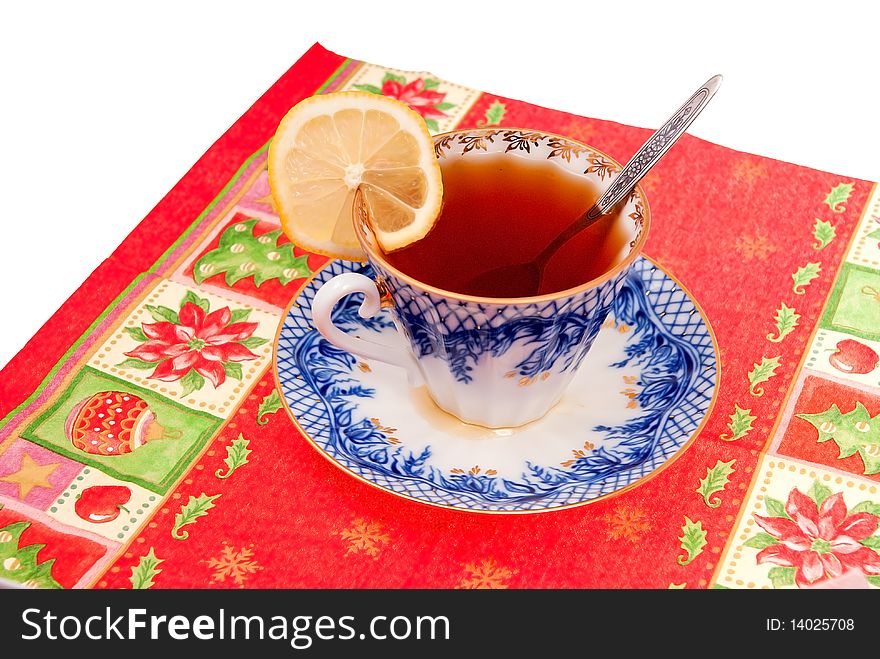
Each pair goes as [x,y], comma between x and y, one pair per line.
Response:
[671,341]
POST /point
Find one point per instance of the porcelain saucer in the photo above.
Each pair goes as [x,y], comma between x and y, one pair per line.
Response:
[640,397]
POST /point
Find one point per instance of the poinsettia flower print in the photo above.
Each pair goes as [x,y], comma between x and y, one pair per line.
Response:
[416,96]
[420,94]
[820,540]
[194,344]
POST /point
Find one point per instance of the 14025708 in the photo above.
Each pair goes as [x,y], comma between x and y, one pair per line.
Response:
[810,624]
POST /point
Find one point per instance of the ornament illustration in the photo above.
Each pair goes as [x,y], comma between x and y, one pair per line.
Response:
[114,423]
[871,292]
[854,357]
[102,503]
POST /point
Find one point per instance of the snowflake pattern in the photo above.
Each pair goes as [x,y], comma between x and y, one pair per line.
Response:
[626,523]
[486,574]
[749,171]
[672,263]
[366,537]
[578,129]
[754,248]
[232,564]
[651,183]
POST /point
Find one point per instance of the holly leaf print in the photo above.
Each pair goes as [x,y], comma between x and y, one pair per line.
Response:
[824,233]
[761,373]
[193,509]
[786,320]
[838,196]
[693,539]
[677,586]
[236,456]
[269,405]
[740,424]
[145,571]
[853,432]
[804,275]
[716,479]
[494,114]
[875,234]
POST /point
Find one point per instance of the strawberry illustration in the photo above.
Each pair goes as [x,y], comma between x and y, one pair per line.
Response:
[113,423]
[102,503]
[854,357]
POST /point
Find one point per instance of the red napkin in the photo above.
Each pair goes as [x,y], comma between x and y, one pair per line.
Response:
[778,490]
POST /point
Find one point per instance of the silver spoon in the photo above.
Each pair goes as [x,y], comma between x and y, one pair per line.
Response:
[524,279]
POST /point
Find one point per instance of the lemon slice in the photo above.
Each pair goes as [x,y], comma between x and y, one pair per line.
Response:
[328,146]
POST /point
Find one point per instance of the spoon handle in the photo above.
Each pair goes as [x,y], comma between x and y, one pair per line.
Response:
[654,149]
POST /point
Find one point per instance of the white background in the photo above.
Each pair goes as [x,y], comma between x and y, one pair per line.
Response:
[105,105]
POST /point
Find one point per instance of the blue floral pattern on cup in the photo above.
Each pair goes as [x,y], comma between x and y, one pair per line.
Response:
[553,334]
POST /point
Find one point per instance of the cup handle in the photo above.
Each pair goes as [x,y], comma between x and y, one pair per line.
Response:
[322,309]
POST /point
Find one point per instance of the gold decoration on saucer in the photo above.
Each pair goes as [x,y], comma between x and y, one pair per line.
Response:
[579,453]
[474,471]
[388,431]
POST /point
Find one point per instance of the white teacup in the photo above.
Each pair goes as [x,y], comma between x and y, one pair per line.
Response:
[495,362]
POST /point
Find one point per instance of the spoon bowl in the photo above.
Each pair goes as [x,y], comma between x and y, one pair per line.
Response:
[508,281]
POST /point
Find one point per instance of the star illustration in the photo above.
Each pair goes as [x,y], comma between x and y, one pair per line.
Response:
[30,474]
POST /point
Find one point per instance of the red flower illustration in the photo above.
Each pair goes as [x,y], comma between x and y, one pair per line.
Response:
[200,341]
[416,96]
[822,542]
